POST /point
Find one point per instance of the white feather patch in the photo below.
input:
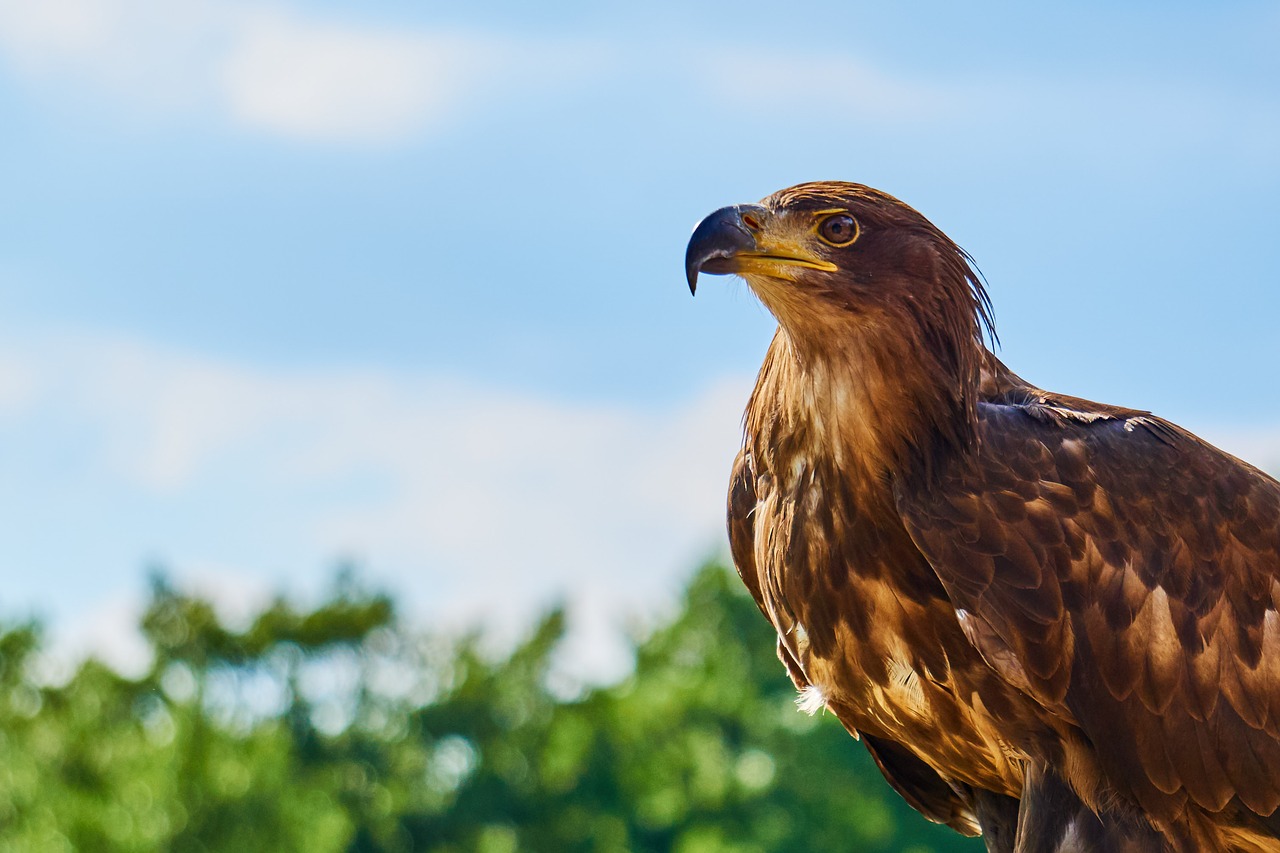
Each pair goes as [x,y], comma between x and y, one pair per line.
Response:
[811,700]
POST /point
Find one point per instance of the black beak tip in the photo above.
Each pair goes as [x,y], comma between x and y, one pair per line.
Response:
[714,243]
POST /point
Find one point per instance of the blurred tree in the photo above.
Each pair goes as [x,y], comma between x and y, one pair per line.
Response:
[337,729]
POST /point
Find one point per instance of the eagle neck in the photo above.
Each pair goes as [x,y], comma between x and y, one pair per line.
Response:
[871,406]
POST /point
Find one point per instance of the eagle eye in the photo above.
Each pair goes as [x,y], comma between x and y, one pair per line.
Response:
[840,229]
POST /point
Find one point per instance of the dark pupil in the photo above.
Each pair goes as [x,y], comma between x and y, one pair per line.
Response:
[838,229]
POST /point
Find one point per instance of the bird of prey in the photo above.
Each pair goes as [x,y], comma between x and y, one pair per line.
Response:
[1051,621]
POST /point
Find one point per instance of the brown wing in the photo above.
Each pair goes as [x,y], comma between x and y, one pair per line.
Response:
[743,501]
[928,793]
[742,506]
[914,780]
[1124,574]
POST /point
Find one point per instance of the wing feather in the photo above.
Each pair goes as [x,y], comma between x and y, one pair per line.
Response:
[919,784]
[742,506]
[1133,573]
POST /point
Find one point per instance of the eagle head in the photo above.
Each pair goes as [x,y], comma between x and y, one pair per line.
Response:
[856,277]
[832,248]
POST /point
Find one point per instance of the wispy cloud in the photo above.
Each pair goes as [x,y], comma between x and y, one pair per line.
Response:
[476,502]
[838,84]
[321,80]
[275,68]
[313,76]
[1099,114]
[146,51]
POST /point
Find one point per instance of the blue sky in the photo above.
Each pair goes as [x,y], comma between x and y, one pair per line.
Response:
[286,282]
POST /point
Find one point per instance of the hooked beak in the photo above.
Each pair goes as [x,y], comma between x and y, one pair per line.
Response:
[718,240]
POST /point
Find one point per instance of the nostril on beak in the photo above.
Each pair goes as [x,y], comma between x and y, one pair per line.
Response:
[750,220]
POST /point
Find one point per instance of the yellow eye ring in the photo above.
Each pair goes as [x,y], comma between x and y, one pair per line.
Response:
[839,229]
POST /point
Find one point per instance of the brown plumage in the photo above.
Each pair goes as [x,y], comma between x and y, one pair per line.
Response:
[1050,620]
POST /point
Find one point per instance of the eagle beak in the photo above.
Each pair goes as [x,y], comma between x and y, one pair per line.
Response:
[718,240]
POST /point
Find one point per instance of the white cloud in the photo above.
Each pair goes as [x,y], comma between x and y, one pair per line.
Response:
[274,68]
[778,83]
[17,383]
[1101,115]
[320,80]
[149,51]
[477,503]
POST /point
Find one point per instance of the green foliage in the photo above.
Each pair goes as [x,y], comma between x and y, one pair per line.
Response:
[337,729]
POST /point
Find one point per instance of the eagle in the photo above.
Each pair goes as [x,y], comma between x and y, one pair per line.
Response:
[1052,622]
